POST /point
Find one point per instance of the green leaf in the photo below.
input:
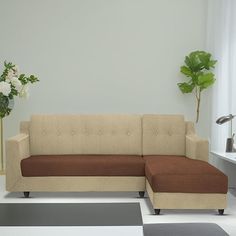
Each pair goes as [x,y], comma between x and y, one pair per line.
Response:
[185,87]
[195,62]
[4,102]
[14,92]
[195,78]
[8,65]
[204,58]
[33,79]
[23,79]
[199,60]
[212,63]
[186,71]
[188,62]
[206,80]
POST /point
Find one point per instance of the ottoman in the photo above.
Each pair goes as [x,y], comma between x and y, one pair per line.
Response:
[178,182]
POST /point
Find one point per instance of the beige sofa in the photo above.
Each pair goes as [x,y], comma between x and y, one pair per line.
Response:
[116,153]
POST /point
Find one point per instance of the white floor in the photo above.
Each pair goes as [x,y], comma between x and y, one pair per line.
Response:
[227,221]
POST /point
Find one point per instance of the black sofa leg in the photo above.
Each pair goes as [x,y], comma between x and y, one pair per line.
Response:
[157,211]
[141,194]
[26,194]
[221,212]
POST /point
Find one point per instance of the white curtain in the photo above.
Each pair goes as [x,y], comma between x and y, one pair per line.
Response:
[221,42]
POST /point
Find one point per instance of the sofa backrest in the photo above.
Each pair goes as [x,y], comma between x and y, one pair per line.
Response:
[164,135]
[85,134]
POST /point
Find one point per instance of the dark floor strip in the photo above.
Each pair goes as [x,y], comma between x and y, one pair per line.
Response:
[70,214]
[183,229]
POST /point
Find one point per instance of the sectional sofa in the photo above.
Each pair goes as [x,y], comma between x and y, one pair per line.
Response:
[160,154]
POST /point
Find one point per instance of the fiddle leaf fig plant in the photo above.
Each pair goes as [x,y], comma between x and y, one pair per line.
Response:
[198,70]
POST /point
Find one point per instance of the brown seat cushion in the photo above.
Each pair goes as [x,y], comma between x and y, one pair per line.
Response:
[183,175]
[83,165]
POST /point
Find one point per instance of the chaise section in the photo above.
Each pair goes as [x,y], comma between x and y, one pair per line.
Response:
[83,165]
[183,175]
[177,182]
[178,175]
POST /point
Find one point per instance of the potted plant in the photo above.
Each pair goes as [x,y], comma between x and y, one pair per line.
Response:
[198,70]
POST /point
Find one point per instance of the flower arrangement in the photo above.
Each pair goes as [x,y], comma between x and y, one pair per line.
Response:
[12,83]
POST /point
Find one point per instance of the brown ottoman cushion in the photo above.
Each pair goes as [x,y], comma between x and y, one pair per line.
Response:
[83,165]
[180,174]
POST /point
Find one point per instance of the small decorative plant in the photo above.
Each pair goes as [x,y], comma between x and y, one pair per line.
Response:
[197,69]
[12,84]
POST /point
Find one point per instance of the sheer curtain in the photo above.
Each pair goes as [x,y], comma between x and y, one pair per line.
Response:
[221,42]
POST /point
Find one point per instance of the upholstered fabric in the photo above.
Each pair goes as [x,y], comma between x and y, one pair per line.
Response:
[17,148]
[163,135]
[100,139]
[197,148]
[189,126]
[24,127]
[162,200]
[83,165]
[183,175]
[78,183]
[85,134]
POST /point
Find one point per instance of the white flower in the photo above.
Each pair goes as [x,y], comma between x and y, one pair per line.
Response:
[9,76]
[5,88]
[16,83]
[16,70]
[24,92]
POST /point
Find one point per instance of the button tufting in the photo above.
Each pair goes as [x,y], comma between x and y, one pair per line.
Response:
[58,133]
[72,132]
[128,133]
[99,132]
[44,132]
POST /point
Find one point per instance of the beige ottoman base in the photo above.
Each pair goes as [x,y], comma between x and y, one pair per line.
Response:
[186,200]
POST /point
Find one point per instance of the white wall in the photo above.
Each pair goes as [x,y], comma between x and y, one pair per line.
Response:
[103,56]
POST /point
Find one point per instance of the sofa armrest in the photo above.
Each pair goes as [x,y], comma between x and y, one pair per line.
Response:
[17,148]
[197,148]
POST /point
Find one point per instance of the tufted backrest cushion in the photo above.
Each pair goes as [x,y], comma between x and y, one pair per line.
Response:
[163,135]
[85,134]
